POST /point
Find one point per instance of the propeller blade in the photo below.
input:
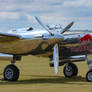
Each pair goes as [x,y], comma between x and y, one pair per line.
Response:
[43,25]
[40,23]
[67,27]
[56,58]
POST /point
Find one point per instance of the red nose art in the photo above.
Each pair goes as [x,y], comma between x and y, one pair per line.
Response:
[87,37]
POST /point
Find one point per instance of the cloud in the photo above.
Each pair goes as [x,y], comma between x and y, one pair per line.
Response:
[9,15]
[30,18]
[78,3]
[49,11]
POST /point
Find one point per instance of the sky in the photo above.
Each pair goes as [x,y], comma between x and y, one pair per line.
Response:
[20,13]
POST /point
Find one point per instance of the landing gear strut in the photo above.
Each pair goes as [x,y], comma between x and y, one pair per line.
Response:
[70,70]
[11,72]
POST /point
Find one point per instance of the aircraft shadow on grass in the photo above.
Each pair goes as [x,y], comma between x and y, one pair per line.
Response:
[41,79]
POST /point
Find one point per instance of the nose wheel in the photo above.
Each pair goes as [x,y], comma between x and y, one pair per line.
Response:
[11,73]
[70,70]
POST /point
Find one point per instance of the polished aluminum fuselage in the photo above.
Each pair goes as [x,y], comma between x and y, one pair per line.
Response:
[40,43]
[35,42]
[75,44]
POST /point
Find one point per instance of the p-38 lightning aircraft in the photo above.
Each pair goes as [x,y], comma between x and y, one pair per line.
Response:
[51,42]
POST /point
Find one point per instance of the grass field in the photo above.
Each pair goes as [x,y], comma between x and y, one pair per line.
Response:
[37,76]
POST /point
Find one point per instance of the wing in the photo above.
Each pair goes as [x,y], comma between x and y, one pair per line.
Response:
[4,37]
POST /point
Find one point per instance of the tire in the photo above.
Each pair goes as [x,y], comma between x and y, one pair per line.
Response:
[70,70]
[11,73]
[89,76]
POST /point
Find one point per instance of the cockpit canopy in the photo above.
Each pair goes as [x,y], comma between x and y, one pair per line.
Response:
[29,29]
[23,29]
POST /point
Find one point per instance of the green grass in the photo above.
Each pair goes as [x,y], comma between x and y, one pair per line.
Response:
[37,76]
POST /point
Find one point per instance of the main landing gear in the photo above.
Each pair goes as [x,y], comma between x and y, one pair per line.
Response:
[89,73]
[11,72]
[70,70]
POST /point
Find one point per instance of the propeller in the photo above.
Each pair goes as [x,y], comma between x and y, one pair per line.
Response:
[56,58]
[46,27]
[55,49]
[43,25]
[67,27]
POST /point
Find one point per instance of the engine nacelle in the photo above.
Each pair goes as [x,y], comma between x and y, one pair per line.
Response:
[69,59]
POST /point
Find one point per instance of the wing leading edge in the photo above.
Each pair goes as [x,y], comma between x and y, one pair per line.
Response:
[8,37]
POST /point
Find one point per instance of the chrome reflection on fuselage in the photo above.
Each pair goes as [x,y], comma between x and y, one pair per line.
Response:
[6,57]
[78,44]
[31,42]
[40,43]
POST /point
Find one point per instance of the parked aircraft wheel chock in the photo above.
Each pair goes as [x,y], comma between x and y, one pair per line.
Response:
[70,70]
